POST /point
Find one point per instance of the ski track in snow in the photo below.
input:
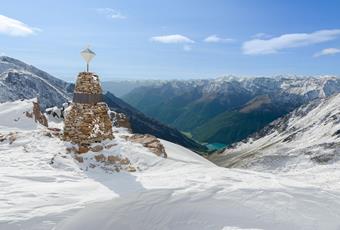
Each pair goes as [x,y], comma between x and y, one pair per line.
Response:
[184,191]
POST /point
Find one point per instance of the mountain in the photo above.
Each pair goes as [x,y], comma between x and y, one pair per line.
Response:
[308,136]
[143,124]
[22,81]
[123,87]
[228,109]
[44,185]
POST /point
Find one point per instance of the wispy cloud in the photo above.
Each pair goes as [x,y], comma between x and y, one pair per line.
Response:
[111,13]
[174,38]
[216,39]
[187,48]
[275,44]
[13,27]
[261,36]
[328,51]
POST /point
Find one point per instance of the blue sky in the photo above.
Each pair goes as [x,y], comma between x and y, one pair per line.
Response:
[174,39]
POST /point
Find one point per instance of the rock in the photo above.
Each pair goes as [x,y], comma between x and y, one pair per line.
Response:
[38,116]
[54,129]
[71,149]
[113,159]
[130,168]
[150,142]
[29,115]
[2,138]
[125,161]
[80,159]
[11,137]
[97,148]
[47,134]
[82,149]
[100,158]
[109,146]
[120,120]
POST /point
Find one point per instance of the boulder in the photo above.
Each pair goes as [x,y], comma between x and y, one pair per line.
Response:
[150,142]
[97,148]
[82,149]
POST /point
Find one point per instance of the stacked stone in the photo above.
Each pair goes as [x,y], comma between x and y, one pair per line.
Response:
[88,83]
[87,119]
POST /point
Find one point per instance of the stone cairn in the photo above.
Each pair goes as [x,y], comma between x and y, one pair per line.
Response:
[87,119]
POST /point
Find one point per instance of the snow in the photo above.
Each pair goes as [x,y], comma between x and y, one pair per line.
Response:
[43,187]
[12,114]
[309,133]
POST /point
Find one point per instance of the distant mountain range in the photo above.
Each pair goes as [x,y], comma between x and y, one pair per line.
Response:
[19,80]
[308,136]
[122,87]
[228,109]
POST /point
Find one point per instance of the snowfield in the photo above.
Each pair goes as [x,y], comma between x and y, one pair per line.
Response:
[44,187]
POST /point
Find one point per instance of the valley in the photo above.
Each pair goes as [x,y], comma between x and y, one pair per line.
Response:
[228,109]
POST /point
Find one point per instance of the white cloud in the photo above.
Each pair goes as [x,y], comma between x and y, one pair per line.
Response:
[111,13]
[13,27]
[274,45]
[328,51]
[174,38]
[216,39]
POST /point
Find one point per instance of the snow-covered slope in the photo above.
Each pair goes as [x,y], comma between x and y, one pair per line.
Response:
[307,137]
[44,187]
[19,80]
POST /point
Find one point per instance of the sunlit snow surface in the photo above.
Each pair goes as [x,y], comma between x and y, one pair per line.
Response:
[184,191]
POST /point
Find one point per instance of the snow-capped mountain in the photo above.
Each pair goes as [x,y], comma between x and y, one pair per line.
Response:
[45,186]
[22,81]
[228,109]
[307,137]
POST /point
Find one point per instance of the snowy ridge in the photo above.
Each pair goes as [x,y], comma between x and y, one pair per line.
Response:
[307,137]
[309,86]
[44,187]
[21,81]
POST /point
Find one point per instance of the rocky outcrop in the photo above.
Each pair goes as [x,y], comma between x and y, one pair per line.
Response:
[150,142]
[37,115]
[120,120]
[10,137]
